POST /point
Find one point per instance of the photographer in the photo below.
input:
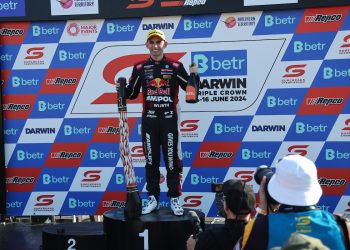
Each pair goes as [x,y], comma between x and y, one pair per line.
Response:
[238,201]
[295,186]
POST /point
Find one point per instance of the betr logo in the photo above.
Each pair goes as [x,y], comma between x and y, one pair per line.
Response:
[198,179]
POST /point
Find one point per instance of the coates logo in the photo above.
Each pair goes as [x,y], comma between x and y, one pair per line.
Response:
[327,100]
[188,128]
[298,149]
[346,130]
[74,29]
[244,175]
[43,201]
[91,176]
[192,201]
[293,74]
[33,56]
[345,47]
[167,3]
[215,154]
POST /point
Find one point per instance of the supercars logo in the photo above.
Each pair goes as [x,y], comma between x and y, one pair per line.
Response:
[34,53]
[298,149]
[294,74]
[91,176]
[44,200]
[189,125]
[345,47]
[244,175]
[193,201]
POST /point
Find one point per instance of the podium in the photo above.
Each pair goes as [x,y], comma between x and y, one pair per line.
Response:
[83,235]
[155,231]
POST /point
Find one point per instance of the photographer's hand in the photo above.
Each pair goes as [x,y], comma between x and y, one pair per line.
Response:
[262,208]
[191,243]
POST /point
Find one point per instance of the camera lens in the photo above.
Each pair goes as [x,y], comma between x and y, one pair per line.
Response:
[261,172]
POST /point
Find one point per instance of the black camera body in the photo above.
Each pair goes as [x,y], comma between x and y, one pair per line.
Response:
[219,198]
[260,172]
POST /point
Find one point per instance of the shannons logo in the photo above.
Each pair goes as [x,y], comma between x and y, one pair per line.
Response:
[113,204]
[215,155]
[20,180]
[61,81]
[66,155]
[159,26]
[11,32]
[15,107]
[324,101]
[328,182]
[319,18]
[109,130]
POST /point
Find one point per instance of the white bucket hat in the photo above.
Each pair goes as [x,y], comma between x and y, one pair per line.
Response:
[295,182]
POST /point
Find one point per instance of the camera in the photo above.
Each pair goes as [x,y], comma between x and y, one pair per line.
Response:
[260,172]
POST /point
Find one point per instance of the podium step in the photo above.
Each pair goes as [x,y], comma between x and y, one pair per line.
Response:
[79,236]
[155,231]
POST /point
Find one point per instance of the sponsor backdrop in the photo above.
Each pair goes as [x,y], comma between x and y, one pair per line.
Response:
[272,83]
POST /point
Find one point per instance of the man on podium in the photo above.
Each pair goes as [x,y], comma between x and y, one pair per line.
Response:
[160,78]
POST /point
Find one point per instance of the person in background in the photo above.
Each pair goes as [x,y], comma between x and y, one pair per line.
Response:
[239,202]
[295,186]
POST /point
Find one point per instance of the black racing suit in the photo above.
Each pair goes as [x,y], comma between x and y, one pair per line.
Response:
[160,83]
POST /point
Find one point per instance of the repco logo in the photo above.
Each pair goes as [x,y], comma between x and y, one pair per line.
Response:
[35,53]
[91,176]
[44,200]
[137,151]
[149,3]
[193,201]
[244,175]
[298,149]
[189,125]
